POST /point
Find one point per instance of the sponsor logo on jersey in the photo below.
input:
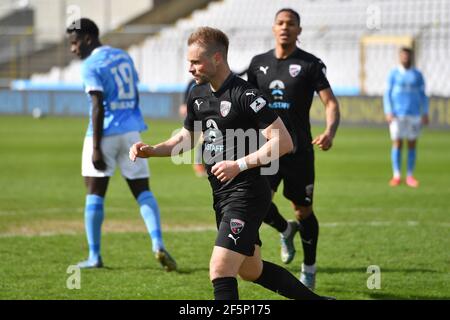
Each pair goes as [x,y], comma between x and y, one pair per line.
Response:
[277,87]
[236,225]
[264,69]
[210,123]
[258,104]
[294,70]
[225,107]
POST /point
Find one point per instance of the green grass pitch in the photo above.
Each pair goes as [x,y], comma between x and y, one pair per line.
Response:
[364,222]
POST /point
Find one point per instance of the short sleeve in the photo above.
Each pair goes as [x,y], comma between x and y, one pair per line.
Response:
[256,107]
[91,79]
[319,76]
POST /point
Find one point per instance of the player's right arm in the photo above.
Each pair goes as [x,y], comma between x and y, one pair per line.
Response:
[98,115]
[94,87]
[183,141]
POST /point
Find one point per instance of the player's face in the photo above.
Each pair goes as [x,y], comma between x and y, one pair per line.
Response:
[79,45]
[201,65]
[286,28]
[405,59]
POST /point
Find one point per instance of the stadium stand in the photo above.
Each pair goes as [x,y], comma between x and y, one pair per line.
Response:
[357,39]
[332,29]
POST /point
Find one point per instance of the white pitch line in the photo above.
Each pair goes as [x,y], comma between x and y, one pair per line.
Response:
[31,233]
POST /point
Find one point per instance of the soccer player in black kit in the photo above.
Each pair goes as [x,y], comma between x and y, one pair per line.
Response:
[288,77]
[219,103]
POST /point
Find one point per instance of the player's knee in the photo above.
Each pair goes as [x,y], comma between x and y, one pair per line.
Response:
[397,144]
[411,144]
[219,269]
[250,274]
[302,212]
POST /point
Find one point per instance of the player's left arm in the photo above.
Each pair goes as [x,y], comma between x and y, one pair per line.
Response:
[325,140]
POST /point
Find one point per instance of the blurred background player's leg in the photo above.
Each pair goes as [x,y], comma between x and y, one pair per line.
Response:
[412,154]
[396,159]
[414,126]
[395,129]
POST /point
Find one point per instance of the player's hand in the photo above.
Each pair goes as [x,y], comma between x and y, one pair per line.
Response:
[425,120]
[140,150]
[389,118]
[324,141]
[225,170]
[97,160]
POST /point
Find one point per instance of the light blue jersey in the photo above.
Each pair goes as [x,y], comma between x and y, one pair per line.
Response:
[405,94]
[112,72]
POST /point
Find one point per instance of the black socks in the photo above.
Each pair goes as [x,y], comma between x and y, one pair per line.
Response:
[225,288]
[281,281]
[309,232]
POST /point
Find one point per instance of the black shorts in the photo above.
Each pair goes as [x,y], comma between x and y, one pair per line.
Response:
[239,214]
[297,172]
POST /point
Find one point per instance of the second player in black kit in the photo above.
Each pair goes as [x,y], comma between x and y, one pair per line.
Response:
[288,77]
[289,84]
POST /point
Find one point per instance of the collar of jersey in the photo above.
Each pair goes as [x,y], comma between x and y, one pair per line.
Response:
[402,69]
[296,51]
[223,86]
[98,49]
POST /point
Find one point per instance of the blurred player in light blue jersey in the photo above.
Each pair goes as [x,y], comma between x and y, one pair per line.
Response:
[406,110]
[110,80]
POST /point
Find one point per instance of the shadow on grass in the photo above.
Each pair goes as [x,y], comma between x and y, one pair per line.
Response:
[332,270]
[181,270]
[380,295]
[388,296]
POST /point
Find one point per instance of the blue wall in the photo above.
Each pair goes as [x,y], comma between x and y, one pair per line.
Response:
[154,105]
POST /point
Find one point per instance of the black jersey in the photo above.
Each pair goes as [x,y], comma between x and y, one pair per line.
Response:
[226,116]
[289,85]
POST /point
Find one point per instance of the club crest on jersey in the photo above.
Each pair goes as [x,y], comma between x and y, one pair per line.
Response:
[225,107]
[236,225]
[294,70]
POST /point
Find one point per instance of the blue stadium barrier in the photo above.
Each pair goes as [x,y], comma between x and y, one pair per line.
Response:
[75,102]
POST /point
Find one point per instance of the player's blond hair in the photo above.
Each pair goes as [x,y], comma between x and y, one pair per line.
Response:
[213,40]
